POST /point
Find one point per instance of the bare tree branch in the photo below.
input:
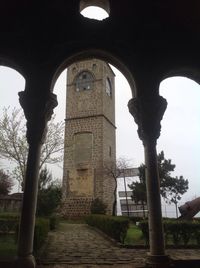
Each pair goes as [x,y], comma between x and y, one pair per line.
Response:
[115,170]
[14,146]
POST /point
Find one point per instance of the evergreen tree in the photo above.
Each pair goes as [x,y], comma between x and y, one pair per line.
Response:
[6,183]
[49,194]
[171,188]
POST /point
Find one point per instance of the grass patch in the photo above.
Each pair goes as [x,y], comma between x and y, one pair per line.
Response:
[134,236]
[8,246]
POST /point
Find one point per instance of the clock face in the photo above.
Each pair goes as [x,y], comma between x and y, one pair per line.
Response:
[108,87]
[84,81]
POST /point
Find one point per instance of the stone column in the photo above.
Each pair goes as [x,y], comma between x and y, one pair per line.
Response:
[37,112]
[147,114]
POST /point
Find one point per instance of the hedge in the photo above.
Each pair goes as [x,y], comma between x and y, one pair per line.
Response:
[42,227]
[8,225]
[9,215]
[8,222]
[113,226]
[53,222]
[135,219]
[180,232]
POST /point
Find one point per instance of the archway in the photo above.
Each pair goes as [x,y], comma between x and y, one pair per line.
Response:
[11,83]
[128,145]
[180,132]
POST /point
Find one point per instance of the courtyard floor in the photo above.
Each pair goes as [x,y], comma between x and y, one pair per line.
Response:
[78,245]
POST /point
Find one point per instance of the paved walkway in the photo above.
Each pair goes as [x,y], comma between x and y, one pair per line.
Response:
[81,244]
[78,245]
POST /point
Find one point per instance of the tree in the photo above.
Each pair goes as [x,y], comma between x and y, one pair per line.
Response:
[98,207]
[6,183]
[171,188]
[139,192]
[49,194]
[14,146]
[45,179]
[115,170]
[176,187]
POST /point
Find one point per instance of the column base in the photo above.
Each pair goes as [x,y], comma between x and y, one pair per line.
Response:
[25,262]
[157,261]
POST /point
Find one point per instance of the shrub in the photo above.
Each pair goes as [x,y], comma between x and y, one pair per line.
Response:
[98,207]
[174,229]
[135,219]
[9,215]
[40,234]
[186,231]
[113,226]
[143,225]
[8,225]
[53,222]
[180,232]
[196,232]
[48,200]
[8,222]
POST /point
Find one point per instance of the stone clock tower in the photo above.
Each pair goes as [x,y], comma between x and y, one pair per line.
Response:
[89,137]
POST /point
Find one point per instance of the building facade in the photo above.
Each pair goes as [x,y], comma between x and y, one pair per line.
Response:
[89,137]
[125,205]
[128,207]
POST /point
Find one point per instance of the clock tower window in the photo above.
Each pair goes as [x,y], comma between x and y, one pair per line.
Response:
[84,81]
[108,87]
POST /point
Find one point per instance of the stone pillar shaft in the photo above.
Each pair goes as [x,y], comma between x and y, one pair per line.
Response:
[37,112]
[154,201]
[29,202]
[147,114]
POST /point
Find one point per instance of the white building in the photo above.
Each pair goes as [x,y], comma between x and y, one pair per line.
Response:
[125,205]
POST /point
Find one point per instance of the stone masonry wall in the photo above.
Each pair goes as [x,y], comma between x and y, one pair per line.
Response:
[89,140]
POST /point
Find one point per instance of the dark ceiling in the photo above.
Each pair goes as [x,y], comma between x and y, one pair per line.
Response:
[151,36]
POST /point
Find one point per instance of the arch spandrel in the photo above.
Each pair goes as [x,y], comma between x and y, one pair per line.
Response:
[98,54]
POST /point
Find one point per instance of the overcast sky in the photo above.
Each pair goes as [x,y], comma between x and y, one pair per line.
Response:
[180,126]
[180,131]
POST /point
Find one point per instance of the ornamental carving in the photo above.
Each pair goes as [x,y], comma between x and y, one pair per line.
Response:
[148,114]
[37,112]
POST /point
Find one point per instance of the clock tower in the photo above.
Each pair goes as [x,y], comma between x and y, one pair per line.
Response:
[89,137]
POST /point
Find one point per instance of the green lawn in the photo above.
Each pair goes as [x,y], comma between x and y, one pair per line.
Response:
[8,247]
[134,236]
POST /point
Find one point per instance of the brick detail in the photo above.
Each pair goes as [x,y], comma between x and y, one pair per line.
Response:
[76,207]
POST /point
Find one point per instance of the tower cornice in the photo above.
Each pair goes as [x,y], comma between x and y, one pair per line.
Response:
[90,116]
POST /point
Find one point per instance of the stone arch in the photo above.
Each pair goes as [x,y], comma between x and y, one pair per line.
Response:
[183,71]
[13,81]
[98,54]
[104,4]
[12,64]
[180,127]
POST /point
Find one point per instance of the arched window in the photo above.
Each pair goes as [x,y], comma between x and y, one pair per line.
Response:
[84,81]
[108,87]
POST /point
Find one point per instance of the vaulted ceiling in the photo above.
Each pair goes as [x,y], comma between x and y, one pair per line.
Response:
[149,38]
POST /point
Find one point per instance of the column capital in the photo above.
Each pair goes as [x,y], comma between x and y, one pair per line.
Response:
[147,114]
[38,112]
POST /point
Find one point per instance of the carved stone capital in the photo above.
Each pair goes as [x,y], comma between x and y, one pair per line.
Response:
[147,114]
[37,112]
